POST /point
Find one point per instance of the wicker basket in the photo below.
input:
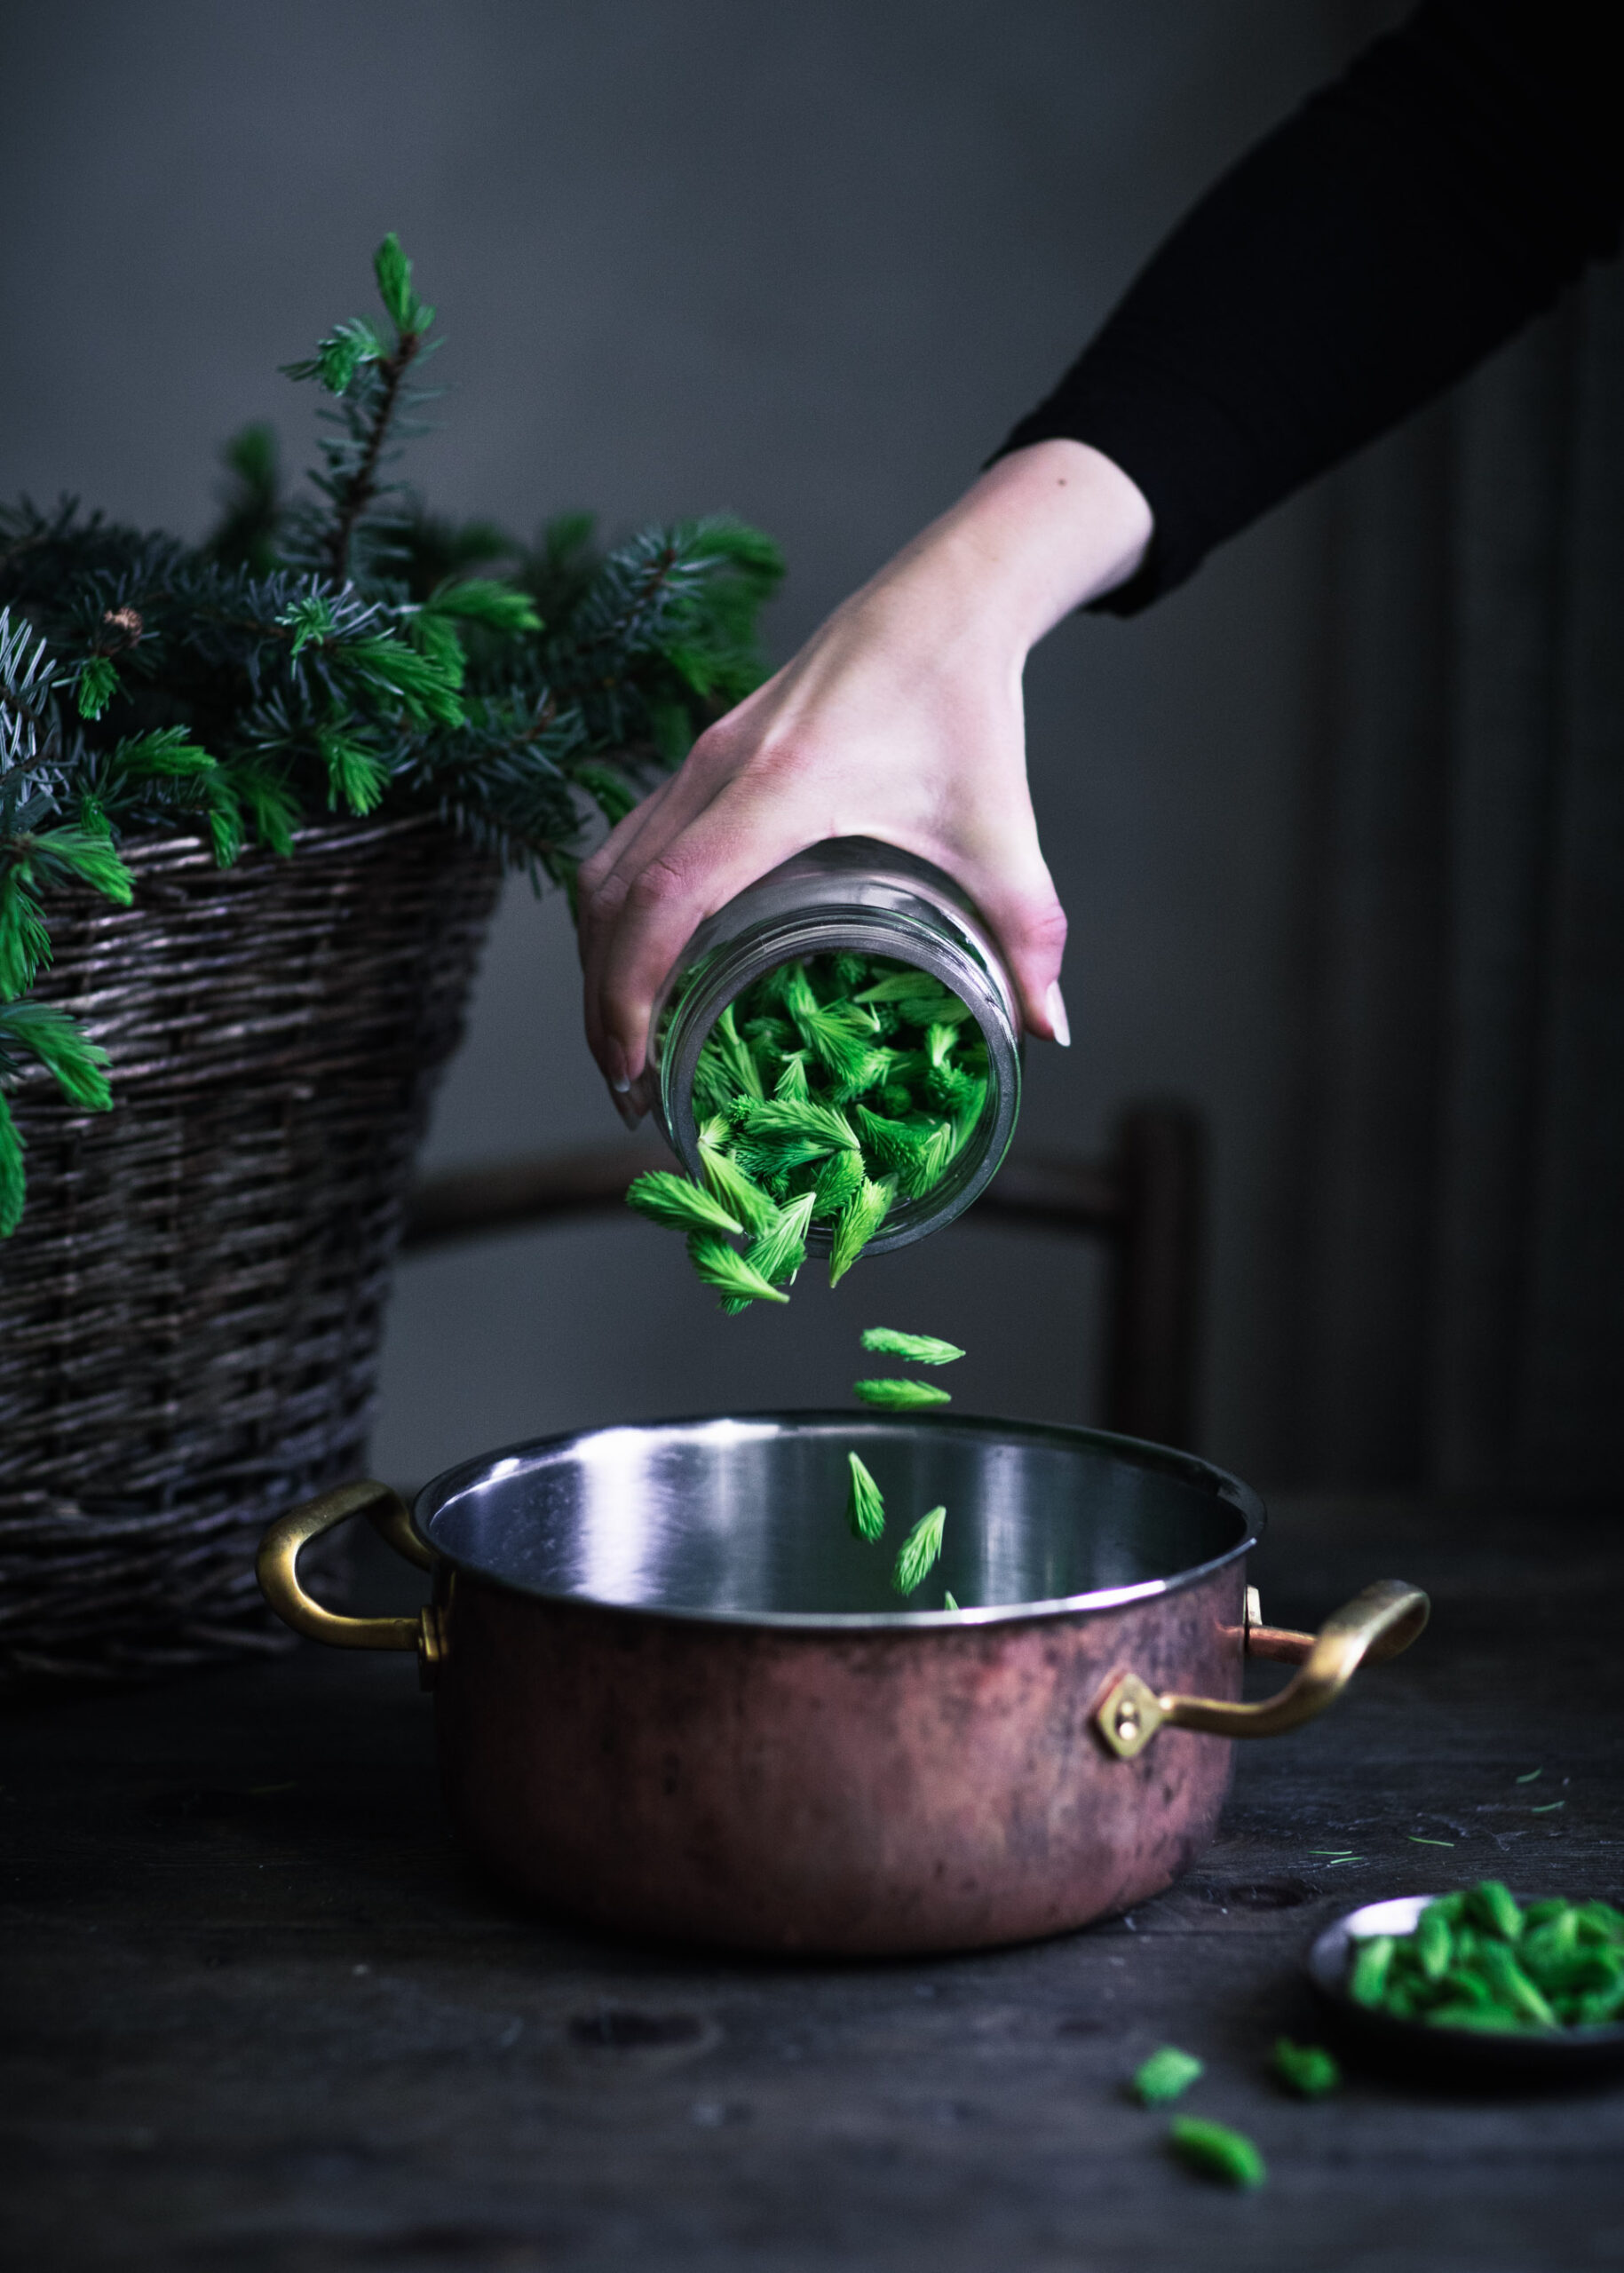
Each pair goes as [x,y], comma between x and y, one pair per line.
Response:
[190,1311]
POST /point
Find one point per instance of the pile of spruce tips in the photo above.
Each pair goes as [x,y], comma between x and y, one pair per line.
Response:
[1475,1958]
[1478,1959]
[828,1089]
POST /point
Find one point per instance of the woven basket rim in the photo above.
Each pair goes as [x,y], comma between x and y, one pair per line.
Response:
[335,834]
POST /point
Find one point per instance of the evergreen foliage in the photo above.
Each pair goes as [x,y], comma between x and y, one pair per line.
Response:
[339,652]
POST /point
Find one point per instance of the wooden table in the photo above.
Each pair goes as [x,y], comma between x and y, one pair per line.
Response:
[260,2014]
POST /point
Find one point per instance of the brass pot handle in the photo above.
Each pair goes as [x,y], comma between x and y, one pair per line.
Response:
[1378,1623]
[276,1566]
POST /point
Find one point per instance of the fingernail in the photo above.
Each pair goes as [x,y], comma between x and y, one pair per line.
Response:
[619,1080]
[1054,1002]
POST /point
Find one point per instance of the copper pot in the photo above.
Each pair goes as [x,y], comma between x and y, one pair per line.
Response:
[673,1694]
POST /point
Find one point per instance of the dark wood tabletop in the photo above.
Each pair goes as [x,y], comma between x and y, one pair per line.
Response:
[261,2014]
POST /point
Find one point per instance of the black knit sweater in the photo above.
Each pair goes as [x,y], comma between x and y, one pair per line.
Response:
[1405,220]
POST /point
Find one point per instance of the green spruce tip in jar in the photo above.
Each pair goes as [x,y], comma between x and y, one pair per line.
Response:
[850,897]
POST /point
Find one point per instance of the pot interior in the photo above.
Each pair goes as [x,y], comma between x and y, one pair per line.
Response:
[744,1518]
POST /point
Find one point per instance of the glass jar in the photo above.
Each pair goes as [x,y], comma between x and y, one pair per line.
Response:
[848,894]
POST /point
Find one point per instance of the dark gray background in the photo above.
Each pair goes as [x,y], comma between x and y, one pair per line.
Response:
[807,264]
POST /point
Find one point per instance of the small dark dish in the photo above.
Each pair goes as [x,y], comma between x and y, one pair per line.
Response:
[1489,2060]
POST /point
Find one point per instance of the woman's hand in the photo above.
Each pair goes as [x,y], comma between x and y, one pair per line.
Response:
[900,719]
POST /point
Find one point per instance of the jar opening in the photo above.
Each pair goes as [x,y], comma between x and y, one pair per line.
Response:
[846,1065]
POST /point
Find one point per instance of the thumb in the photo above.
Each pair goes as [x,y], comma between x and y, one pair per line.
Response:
[1029,924]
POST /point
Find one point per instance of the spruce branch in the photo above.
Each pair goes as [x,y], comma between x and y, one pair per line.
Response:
[36,1032]
[25,943]
[349,652]
[354,494]
[26,680]
[356,777]
[30,863]
[369,383]
[58,1042]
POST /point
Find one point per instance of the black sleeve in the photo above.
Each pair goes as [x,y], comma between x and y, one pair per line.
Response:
[1405,221]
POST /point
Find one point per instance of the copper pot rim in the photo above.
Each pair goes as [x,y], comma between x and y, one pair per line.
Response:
[1188,1466]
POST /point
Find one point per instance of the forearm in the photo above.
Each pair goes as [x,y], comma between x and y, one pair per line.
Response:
[1042,532]
[1359,258]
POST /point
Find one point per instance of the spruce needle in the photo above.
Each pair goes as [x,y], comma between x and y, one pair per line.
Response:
[795,993]
[779,1254]
[842,1042]
[776,1154]
[906,986]
[865,1507]
[897,1143]
[861,1074]
[1168,2074]
[754,1207]
[919,1551]
[967,1113]
[839,1178]
[722,1266]
[1217,2153]
[671,1200]
[943,1009]
[791,1081]
[1306,2069]
[917,1348]
[1371,1960]
[736,1054]
[859,1219]
[925,1172]
[799,1117]
[898,1396]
